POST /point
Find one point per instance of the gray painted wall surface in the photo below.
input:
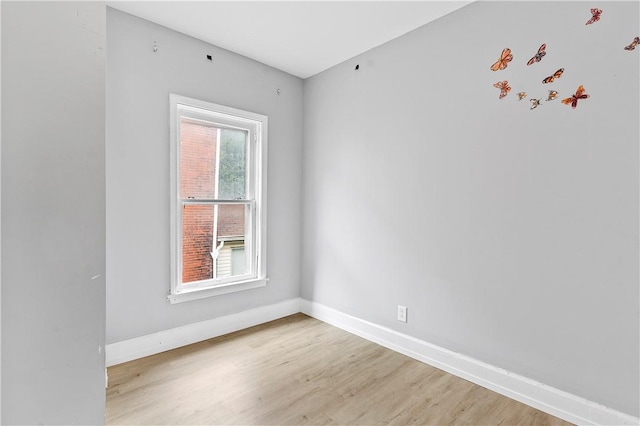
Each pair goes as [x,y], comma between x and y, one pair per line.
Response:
[53,212]
[0,211]
[511,234]
[139,81]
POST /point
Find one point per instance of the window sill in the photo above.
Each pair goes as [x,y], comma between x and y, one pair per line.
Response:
[202,293]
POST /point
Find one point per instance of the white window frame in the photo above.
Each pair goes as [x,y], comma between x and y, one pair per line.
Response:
[256,197]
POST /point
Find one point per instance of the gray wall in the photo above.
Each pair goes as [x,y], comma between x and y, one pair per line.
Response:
[511,234]
[139,81]
[53,212]
[0,211]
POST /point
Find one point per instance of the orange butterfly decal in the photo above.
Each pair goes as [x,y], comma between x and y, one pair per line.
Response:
[633,44]
[522,95]
[595,16]
[504,88]
[552,95]
[538,56]
[555,75]
[573,100]
[535,103]
[501,63]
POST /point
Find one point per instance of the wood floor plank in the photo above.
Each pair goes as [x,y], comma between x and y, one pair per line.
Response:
[300,371]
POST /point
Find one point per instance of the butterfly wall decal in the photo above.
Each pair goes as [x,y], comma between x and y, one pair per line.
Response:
[555,75]
[504,88]
[552,95]
[595,16]
[633,44]
[538,56]
[504,60]
[521,95]
[535,103]
[573,100]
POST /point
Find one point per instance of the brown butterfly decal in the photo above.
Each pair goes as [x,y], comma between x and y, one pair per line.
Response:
[573,100]
[521,95]
[504,88]
[595,16]
[538,56]
[535,103]
[555,75]
[633,44]
[552,95]
[501,63]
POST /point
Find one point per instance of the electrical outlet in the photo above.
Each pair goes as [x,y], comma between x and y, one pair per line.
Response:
[402,313]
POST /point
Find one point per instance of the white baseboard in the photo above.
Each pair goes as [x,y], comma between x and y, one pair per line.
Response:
[538,395]
[150,344]
[545,398]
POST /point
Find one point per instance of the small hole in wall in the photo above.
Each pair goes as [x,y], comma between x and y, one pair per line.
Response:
[209,57]
[357,67]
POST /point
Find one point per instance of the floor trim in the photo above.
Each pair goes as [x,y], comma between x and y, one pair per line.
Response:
[150,344]
[538,395]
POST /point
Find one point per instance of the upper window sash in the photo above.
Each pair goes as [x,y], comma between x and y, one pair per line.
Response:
[250,145]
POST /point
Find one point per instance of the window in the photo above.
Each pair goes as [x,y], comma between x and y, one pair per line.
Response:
[218,199]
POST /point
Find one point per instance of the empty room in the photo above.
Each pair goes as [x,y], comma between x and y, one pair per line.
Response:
[329,212]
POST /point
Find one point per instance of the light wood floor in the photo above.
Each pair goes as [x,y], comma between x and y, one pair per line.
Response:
[299,370]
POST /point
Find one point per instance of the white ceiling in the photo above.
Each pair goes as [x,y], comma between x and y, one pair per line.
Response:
[302,38]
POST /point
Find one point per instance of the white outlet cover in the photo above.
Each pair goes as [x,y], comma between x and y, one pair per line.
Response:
[402,313]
